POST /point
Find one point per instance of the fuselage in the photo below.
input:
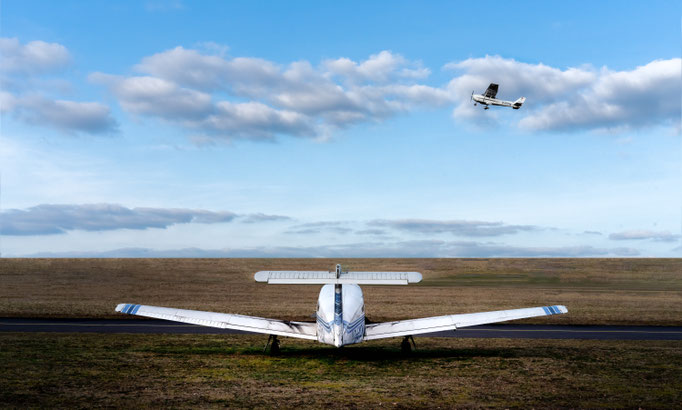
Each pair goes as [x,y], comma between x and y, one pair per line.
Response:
[340,315]
[481,99]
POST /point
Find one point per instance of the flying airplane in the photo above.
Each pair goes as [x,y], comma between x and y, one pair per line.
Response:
[488,98]
[340,311]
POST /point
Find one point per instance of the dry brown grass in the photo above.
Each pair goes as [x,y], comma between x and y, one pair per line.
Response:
[596,291]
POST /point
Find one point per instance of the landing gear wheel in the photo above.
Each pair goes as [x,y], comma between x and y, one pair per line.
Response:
[273,342]
[486,108]
[406,346]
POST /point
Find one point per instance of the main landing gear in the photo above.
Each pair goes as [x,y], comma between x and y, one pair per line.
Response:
[273,342]
[405,345]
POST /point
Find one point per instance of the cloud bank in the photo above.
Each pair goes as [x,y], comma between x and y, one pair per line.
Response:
[574,99]
[406,249]
[456,227]
[639,235]
[49,219]
[225,98]
[217,97]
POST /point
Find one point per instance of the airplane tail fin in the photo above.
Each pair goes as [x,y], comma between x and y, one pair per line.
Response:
[518,103]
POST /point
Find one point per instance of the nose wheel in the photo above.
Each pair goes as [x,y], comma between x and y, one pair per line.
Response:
[406,346]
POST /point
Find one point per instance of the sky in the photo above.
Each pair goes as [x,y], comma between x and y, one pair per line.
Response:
[340,129]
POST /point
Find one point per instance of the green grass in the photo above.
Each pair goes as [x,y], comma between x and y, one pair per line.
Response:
[69,370]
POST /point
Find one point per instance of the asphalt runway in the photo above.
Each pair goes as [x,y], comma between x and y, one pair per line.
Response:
[486,331]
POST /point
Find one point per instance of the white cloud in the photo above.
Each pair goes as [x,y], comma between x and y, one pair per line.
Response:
[638,235]
[296,99]
[648,95]
[31,58]
[64,115]
[21,66]
[537,82]
[7,102]
[217,97]
[253,120]
[54,219]
[312,228]
[192,69]
[195,110]
[575,98]
[155,96]
[381,67]
[261,217]
[457,227]
[49,219]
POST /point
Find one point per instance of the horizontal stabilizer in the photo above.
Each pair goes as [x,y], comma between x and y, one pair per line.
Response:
[518,103]
[290,277]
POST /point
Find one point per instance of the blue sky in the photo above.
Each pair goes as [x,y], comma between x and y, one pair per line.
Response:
[274,129]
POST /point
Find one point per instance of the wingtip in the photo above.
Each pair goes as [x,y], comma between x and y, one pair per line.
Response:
[261,276]
[414,277]
[128,308]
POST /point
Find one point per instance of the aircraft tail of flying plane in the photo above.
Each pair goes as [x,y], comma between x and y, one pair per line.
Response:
[518,103]
[488,98]
[340,315]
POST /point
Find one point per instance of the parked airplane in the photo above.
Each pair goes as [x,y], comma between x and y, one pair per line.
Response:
[340,311]
[488,98]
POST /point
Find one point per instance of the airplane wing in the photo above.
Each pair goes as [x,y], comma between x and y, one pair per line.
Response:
[453,322]
[302,330]
[491,92]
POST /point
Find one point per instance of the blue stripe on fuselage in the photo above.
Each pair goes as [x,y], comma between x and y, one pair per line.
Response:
[338,307]
[325,325]
[349,327]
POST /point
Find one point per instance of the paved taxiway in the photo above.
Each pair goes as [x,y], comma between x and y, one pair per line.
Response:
[487,331]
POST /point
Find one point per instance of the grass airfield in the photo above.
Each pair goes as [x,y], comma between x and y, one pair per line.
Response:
[77,370]
[90,370]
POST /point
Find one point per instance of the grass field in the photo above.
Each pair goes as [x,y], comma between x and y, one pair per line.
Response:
[124,370]
[596,291]
[41,370]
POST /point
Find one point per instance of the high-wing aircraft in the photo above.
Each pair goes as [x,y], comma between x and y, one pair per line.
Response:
[340,311]
[488,98]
